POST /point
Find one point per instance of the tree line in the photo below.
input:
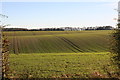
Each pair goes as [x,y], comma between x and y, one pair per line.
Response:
[25,29]
[60,29]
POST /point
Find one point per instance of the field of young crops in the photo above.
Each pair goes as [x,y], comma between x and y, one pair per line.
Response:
[60,54]
[61,65]
[58,41]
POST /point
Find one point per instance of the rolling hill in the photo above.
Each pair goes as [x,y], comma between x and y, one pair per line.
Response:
[58,41]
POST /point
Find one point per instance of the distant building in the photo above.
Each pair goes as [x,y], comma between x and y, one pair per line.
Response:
[71,29]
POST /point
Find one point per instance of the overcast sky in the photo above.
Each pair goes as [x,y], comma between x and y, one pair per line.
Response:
[41,14]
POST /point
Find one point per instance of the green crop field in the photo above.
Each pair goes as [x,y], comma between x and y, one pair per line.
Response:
[58,41]
[60,65]
[60,54]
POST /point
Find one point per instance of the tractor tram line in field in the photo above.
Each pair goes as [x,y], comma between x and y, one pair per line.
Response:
[14,43]
[68,46]
[74,46]
[15,46]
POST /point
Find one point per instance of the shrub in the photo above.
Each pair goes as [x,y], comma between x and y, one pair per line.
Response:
[115,49]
